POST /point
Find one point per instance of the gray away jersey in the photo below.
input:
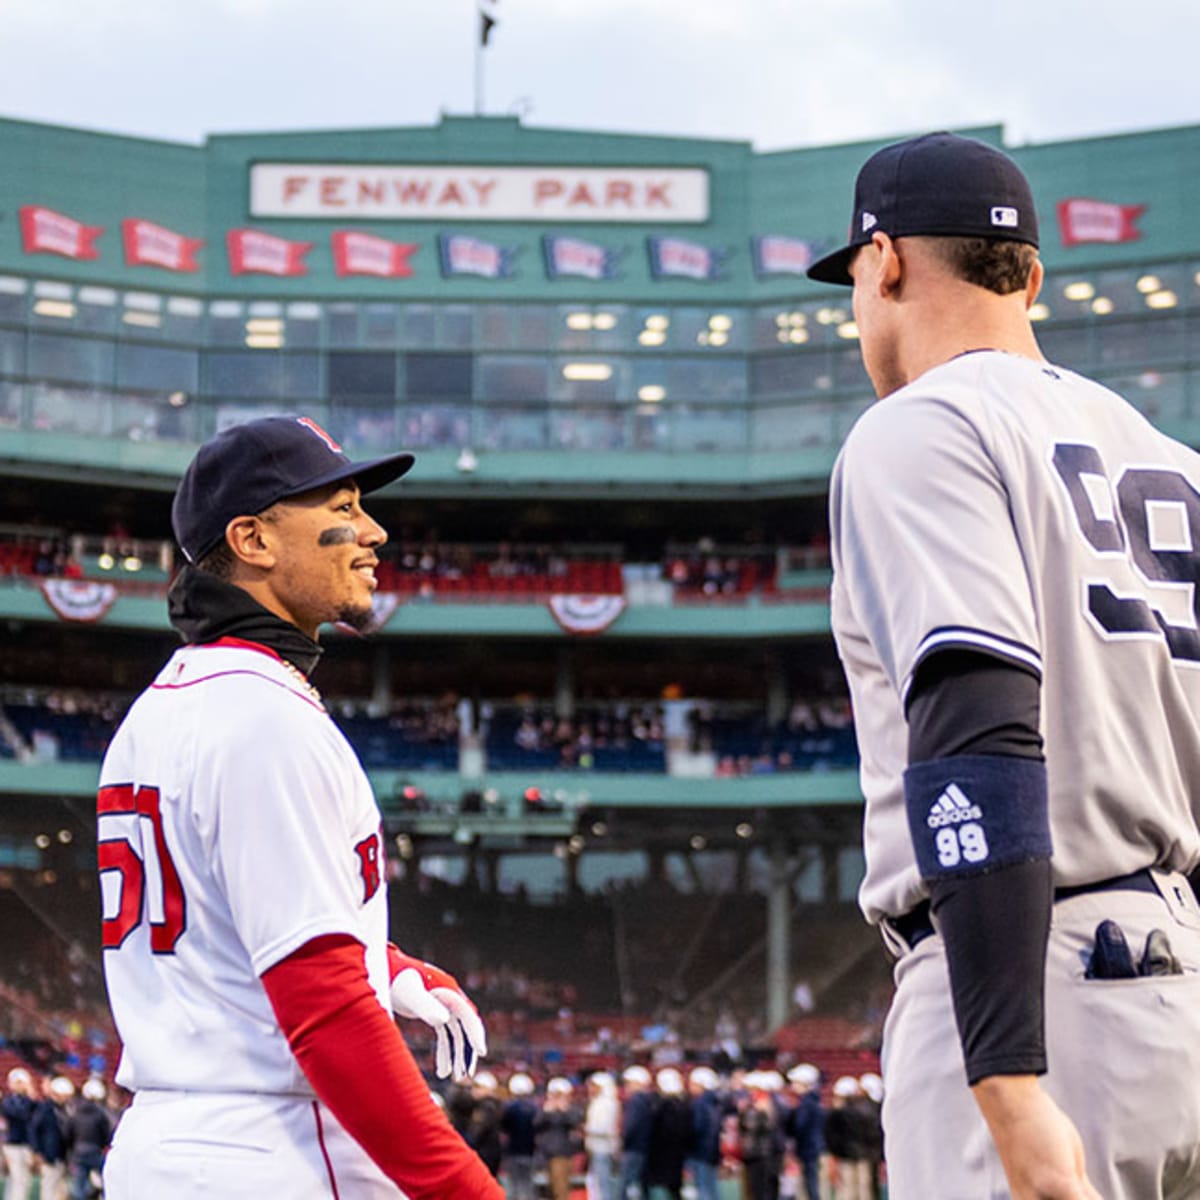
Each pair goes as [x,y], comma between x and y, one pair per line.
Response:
[1007,506]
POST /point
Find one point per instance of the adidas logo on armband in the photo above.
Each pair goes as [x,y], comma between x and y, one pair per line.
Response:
[952,807]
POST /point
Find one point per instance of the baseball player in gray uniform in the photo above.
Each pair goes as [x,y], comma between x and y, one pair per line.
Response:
[1016,552]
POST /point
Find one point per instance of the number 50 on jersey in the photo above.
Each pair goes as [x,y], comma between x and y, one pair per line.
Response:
[138,878]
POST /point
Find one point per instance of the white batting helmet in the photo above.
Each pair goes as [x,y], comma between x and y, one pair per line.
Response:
[670,1082]
[804,1075]
[520,1084]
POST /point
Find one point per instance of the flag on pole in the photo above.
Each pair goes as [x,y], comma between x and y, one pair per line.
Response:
[486,21]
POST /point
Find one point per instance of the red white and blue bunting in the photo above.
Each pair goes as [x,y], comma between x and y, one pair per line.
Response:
[586,615]
[79,599]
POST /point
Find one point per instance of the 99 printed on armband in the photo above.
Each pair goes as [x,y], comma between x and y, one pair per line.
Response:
[971,814]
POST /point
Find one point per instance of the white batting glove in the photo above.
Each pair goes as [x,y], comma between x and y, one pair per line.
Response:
[427,993]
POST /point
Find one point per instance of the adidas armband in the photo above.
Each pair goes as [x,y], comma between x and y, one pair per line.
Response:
[972,813]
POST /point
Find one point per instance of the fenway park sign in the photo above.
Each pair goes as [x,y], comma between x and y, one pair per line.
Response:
[479,193]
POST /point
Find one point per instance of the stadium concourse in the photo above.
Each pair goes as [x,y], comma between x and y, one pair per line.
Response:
[600,705]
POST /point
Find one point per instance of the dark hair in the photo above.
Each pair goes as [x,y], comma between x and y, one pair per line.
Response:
[1000,267]
[219,561]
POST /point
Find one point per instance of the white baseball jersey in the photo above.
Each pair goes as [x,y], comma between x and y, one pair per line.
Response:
[235,824]
[1004,505]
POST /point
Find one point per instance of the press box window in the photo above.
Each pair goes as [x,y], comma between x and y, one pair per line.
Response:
[362,374]
[438,375]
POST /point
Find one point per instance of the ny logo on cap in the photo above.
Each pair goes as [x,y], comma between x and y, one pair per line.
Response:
[312,426]
[1005,217]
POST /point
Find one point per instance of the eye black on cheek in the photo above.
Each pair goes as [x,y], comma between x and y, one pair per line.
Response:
[339,535]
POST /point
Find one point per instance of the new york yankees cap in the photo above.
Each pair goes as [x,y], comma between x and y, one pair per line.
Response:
[248,467]
[939,185]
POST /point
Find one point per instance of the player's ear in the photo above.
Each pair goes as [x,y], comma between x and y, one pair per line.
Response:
[1033,288]
[249,541]
[889,265]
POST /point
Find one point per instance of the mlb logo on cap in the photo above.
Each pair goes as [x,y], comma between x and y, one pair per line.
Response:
[1005,218]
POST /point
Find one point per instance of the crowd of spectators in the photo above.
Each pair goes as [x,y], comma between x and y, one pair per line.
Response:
[40,557]
[427,566]
[772,1133]
[425,732]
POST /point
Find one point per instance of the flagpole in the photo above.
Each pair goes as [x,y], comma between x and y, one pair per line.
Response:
[479,64]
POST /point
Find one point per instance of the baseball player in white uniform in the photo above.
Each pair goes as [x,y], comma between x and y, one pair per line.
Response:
[1016,552]
[242,868]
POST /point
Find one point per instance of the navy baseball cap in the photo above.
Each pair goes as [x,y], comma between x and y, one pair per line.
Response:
[939,185]
[248,467]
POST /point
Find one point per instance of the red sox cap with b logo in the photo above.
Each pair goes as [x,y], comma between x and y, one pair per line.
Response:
[248,467]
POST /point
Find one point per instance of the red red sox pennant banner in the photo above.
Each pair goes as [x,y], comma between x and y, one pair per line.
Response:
[252,252]
[586,614]
[44,231]
[1082,220]
[150,245]
[79,599]
[357,253]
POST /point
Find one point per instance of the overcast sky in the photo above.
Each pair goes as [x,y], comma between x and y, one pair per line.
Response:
[777,73]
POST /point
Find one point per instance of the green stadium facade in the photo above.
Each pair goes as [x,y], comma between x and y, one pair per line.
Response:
[612,330]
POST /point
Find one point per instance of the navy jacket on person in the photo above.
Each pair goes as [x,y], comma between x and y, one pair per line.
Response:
[48,1132]
[18,1112]
[708,1111]
[91,1127]
[806,1127]
[517,1124]
[637,1122]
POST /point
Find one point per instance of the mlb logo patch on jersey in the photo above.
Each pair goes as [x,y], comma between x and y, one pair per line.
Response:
[1004,217]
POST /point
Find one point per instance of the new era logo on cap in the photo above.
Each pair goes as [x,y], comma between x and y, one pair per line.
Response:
[869,221]
[1005,218]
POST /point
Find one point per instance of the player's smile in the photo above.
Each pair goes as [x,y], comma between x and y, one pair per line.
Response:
[365,569]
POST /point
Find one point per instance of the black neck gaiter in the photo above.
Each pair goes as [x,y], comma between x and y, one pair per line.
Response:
[204,609]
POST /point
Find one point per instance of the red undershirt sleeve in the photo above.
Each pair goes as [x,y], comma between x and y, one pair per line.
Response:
[360,1067]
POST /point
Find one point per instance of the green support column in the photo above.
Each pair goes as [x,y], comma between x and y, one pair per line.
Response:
[779,941]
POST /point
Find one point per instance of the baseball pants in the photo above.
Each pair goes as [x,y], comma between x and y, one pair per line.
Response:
[54,1181]
[19,1162]
[1124,1060]
[237,1146]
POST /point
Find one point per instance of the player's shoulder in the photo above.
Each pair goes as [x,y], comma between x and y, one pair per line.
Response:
[946,399]
[238,681]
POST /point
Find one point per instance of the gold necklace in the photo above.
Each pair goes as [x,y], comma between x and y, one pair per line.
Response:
[302,679]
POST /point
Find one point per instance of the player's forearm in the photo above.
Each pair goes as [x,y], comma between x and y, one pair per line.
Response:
[334,1025]
[995,929]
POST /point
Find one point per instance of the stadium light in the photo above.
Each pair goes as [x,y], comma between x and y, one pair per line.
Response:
[587,372]
[63,309]
[1080,289]
[143,320]
[1163,299]
[1149,283]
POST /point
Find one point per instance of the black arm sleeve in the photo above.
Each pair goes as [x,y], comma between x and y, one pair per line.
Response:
[995,925]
